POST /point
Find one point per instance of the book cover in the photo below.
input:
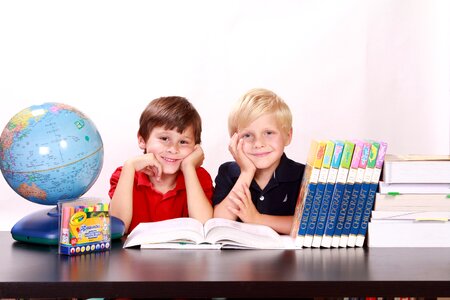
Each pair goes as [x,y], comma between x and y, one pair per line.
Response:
[414,188]
[355,195]
[307,191]
[363,194]
[347,193]
[320,189]
[216,233]
[412,202]
[328,192]
[371,195]
[408,233]
[416,169]
[338,193]
[411,215]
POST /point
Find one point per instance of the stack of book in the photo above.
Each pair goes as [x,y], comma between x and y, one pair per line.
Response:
[337,193]
[412,208]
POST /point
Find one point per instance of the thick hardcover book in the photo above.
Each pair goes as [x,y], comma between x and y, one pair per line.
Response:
[414,188]
[307,190]
[351,178]
[418,216]
[408,233]
[216,233]
[371,196]
[326,163]
[328,193]
[355,195]
[412,202]
[338,193]
[363,194]
[416,169]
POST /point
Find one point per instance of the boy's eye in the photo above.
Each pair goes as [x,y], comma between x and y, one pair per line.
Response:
[164,138]
[184,142]
[246,135]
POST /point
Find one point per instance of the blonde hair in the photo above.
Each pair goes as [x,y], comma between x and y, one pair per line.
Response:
[254,104]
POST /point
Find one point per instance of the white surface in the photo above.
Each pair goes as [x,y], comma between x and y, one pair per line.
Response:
[348,69]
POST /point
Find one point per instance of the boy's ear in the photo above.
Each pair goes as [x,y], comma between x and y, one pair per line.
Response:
[141,142]
[288,138]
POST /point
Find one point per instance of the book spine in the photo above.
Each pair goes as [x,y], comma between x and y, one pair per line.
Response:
[355,195]
[371,195]
[342,214]
[299,240]
[329,188]
[307,192]
[351,178]
[338,193]
[326,163]
[357,218]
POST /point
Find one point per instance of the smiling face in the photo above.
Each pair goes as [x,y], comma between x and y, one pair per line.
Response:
[169,147]
[264,142]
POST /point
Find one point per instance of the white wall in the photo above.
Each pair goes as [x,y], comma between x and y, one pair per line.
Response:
[348,69]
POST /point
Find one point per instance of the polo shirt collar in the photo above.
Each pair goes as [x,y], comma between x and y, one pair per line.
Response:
[142,179]
[287,170]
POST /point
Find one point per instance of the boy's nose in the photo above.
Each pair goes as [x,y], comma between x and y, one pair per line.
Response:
[258,143]
[173,149]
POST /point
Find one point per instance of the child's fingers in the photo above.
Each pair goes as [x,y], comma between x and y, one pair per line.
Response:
[242,198]
[248,195]
[234,211]
[233,144]
[158,171]
[237,201]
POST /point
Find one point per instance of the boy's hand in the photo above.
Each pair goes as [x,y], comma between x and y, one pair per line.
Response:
[236,148]
[246,210]
[194,159]
[148,164]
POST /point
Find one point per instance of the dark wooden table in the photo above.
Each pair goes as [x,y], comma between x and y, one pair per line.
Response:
[28,270]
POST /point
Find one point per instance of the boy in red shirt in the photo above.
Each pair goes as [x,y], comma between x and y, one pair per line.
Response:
[167,181]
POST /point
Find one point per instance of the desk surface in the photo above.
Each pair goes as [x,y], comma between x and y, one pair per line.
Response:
[28,270]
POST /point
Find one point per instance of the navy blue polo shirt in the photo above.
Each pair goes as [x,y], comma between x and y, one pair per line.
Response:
[278,198]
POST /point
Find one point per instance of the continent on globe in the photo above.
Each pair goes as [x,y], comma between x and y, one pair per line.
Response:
[32,191]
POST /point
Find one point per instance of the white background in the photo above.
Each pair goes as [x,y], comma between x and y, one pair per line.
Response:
[348,69]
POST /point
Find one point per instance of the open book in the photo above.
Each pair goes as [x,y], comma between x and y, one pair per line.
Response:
[216,233]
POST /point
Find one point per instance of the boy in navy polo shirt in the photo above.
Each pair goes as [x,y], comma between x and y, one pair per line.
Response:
[262,185]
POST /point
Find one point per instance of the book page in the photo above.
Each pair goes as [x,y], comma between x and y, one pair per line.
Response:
[180,230]
[183,246]
[228,232]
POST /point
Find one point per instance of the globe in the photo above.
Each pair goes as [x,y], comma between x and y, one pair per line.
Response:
[50,152]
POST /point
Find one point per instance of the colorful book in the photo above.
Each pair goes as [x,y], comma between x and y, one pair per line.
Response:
[307,190]
[328,193]
[320,189]
[371,195]
[338,193]
[355,195]
[351,178]
[363,194]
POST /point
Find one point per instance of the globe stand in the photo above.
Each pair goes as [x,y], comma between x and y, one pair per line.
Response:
[42,227]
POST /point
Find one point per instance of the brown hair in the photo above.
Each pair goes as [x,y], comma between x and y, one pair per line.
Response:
[171,112]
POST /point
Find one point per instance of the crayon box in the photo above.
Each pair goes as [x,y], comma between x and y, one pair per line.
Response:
[85,226]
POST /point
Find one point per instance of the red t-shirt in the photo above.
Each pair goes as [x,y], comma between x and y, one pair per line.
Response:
[150,205]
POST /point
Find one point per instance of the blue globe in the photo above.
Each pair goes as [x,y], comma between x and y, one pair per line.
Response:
[50,152]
